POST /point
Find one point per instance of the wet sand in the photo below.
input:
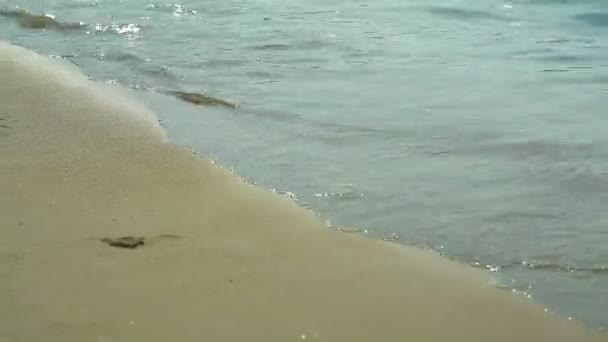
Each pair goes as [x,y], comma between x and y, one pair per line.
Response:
[80,162]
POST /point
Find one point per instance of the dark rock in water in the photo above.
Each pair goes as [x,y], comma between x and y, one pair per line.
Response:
[38,22]
[11,13]
[201,99]
[130,242]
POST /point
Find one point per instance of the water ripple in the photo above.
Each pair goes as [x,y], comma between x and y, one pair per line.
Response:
[599,19]
[176,9]
[464,14]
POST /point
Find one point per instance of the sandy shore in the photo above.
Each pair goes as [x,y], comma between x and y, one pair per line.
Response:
[223,260]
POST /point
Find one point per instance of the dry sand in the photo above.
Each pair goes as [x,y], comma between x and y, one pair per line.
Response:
[80,161]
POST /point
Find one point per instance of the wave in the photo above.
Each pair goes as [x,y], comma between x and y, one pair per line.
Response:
[556,267]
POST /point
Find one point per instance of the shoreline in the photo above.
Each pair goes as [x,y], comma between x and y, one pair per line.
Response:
[80,162]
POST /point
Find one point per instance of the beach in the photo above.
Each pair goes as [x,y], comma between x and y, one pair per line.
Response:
[224,260]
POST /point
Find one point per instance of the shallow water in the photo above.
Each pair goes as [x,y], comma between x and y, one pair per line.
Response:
[476,129]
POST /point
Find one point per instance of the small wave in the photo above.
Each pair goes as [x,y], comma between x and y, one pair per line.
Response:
[158,71]
[528,149]
[391,237]
[68,58]
[118,28]
[315,12]
[563,58]
[553,41]
[311,44]
[217,63]
[599,19]
[176,9]
[554,70]
[287,194]
[275,46]
[550,2]
[87,4]
[339,195]
[258,74]
[556,267]
[348,229]
[464,14]
[347,193]
[546,266]
[584,78]
[118,56]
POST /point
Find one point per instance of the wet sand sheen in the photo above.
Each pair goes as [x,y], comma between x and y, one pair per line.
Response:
[79,162]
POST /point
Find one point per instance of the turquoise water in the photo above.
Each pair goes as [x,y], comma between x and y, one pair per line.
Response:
[474,128]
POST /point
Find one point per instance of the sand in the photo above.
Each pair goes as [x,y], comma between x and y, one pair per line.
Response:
[81,161]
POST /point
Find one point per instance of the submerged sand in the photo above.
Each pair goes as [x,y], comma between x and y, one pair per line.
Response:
[80,161]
